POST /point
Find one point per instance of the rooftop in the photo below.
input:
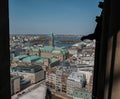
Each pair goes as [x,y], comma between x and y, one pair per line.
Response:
[20,56]
[52,60]
[30,58]
[53,70]
[13,76]
[35,49]
[46,49]
[28,69]
[41,60]
[38,93]
[88,58]
[56,50]
[76,76]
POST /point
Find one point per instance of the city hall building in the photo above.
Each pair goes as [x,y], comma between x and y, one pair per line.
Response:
[50,51]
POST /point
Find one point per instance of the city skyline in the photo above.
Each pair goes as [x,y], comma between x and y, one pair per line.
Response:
[58,16]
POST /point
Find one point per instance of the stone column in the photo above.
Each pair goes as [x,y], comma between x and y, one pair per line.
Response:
[114,90]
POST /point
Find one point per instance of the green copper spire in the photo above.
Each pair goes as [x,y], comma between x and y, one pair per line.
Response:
[52,39]
[51,34]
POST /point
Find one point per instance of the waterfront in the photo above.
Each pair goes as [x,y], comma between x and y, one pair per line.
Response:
[58,39]
[34,39]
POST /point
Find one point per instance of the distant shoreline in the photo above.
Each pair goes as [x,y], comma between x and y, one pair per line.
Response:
[59,35]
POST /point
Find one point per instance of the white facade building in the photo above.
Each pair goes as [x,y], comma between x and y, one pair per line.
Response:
[75,80]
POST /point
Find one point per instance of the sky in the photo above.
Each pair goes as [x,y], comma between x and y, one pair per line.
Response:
[57,16]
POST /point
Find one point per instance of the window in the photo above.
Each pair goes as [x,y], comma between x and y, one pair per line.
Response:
[86,62]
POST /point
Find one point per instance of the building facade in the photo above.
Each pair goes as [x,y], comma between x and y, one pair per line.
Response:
[75,80]
[15,84]
[62,73]
[51,78]
[33,73]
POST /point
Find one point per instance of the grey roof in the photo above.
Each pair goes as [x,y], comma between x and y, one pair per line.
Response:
[28,69]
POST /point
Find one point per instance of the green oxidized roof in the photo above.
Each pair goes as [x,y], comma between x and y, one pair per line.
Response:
[52,60]
[41,60]
[64,51]
[51,35]
[21,56]
[55,50]
[31,58]
[35,49]
[46,49]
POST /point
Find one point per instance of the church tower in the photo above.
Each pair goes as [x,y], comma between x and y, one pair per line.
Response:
[51,42]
